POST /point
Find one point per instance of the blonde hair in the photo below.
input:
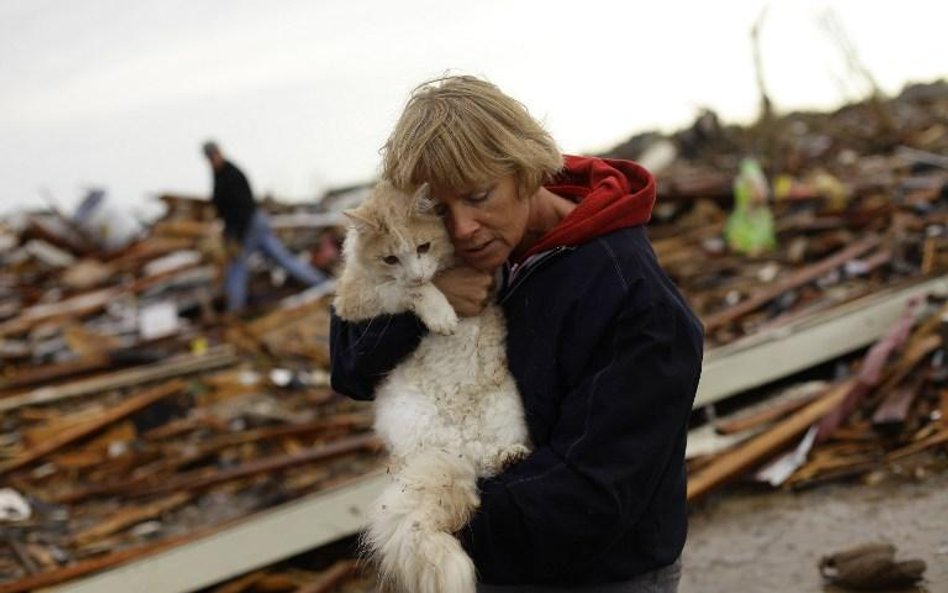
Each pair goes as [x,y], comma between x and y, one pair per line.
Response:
[460,131]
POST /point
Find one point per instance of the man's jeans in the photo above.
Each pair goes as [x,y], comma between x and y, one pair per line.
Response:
[663,580]
[261,238]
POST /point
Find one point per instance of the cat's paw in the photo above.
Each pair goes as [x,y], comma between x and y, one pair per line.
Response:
[434,310]
[505,457]
[440,319]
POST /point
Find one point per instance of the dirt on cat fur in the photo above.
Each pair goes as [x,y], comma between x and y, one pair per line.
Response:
[751,541]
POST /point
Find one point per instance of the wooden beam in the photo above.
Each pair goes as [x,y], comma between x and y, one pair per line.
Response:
[253,542]
[939,438]
[219,357]
[330,578]
[766,415]
[760,359]
[85,567]
[803,276]
[125,408]
[126,517]
[200,479]
[894,409]
[747,455]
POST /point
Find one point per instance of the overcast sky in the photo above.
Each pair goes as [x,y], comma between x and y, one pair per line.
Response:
[302,93]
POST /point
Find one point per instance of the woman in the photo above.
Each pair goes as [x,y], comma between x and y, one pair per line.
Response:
[605,351]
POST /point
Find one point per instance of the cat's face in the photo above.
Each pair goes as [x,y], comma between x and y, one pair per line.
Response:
[400,239]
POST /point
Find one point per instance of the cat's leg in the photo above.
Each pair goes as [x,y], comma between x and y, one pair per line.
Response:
[505,437]
[434,310]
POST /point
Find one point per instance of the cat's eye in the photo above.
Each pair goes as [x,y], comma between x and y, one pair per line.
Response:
[390,259]
[423,248]
[440,209]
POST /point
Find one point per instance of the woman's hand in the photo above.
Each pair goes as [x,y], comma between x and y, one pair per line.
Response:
[468,290]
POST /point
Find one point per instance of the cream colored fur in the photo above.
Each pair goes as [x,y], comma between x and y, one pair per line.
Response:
[449,413]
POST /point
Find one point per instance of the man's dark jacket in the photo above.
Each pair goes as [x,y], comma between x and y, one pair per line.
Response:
[233,201]
[607,357]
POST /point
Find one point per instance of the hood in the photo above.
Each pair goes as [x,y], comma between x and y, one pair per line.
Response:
[610,194]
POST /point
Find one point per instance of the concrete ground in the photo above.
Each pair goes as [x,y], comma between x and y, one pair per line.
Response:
[749,542]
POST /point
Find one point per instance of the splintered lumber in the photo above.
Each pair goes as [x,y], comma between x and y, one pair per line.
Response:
[85,567]
[182,365]
[917,349]
[242,584]
[746,455]
[331,578]
[52,372]
[870,373]
[131,516]
[939,438]
[126,408]
[76,306]
[143,481]
[804,276]
[943,407]
[894,409]
[750,421]
[200,479]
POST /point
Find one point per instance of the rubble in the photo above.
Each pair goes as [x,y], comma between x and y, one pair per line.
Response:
[837,181]
[137,418]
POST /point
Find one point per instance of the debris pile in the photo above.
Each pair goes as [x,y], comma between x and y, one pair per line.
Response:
[888,417]
[134,416]
[857,205]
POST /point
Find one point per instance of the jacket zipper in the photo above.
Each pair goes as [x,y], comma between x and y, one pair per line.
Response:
[522,272]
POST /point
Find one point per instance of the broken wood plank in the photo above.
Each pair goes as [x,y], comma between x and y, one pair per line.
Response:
[895,407]
[200,479]
[182,365]
[765,416]
[939,438]
[871,370]
[331,577]
[943,407]
[744,456]
[85,567]
[242,584]
[125,408]
[76,306]
[51,372]
[808,274]
[130,516]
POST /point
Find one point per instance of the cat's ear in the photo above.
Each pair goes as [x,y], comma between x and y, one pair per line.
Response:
[362,221]
[422,204]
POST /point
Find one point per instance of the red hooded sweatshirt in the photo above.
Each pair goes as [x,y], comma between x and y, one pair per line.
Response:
[610,195]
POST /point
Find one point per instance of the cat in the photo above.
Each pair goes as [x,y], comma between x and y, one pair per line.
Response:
[448,414]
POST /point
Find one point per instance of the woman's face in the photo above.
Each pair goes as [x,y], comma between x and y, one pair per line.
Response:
[486,223]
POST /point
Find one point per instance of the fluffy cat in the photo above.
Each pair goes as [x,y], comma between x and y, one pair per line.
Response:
[449,413]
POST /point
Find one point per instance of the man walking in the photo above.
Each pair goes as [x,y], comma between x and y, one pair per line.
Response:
[246,230]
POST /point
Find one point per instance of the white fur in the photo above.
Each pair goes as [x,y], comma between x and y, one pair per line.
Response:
[449,413]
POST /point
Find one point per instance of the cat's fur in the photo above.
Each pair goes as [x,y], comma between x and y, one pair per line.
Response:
[449,413]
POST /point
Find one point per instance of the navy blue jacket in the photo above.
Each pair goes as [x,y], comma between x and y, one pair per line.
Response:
[607,357]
